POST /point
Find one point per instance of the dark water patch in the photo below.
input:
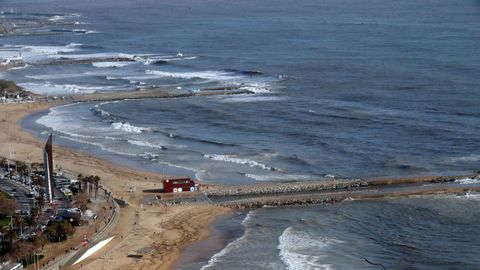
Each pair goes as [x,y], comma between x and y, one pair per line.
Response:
[245,72]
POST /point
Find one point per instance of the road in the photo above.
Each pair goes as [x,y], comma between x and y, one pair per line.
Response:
[20,193]
[104,233]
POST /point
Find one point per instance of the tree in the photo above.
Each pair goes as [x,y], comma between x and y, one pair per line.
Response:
[21,251]
[81,201]
[39,241]
[20,222]
[7,206]
[22,168]
[59,230]
[96,179]
[41,199]
[3,162]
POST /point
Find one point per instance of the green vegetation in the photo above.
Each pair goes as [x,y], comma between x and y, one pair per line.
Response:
[10,87]
[59,231]
[4,195]
[4,222]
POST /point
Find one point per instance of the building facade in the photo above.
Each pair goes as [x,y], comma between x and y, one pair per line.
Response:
[48,169]
[179,185]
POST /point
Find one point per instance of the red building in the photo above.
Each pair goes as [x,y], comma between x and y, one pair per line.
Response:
[179,185]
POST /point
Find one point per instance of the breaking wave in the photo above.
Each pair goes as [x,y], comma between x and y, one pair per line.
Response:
[249,98]
[101,146]
[243,161]
[279,177]
[147,144]
[75,31]
[116,64]
[300,250]
[232,245]
[469,158]
[49,88]
[125,126]
[467,181]
[202,75]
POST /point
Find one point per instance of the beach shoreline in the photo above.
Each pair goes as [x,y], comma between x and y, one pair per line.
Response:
[167,231]
[151,222]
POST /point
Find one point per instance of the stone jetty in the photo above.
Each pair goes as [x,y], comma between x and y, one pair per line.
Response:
[282,188]
[331,191]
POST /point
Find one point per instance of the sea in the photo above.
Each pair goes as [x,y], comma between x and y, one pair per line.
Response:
[340,89]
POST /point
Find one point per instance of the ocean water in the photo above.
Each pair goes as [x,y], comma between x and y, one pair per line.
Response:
[409,233]
[342,89]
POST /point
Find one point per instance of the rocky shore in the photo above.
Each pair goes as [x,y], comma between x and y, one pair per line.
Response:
[284,187]
[278,201]
[331,191]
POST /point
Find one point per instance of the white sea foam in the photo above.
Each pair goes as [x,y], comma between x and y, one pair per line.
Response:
[257,88]
[34,53]
[231,246]
[472,196]
[149,155]
[88,56]
[51,50]
[55,76]
[57,18]
[300,250]
[467,181]
[58,89]
[250,98]
[237,160]
[146,144]
[469,158]
[74,45]
[101,146]
[278,177]
[103,113]
[204,75]
[196,171]
[84,31]
[251,214]
[116,64]
[20,67]
[125,126]
[149,59]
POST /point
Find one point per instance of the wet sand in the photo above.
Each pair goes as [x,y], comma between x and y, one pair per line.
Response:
[167,230]
[160,233]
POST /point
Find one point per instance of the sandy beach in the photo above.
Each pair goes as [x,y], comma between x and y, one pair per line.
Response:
[164,231]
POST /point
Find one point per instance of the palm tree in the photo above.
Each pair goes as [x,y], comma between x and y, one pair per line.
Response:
[79,178]
[41,199]
[96,179]
[90,186]
[20,221]
[3,162]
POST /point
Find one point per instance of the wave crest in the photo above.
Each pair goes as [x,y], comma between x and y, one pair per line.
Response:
[242,161]
[127,127]
[296,250]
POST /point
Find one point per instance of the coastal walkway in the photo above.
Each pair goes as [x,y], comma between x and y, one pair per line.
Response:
[105,232]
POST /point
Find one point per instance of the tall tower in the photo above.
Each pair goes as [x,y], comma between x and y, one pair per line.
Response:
[48,167]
